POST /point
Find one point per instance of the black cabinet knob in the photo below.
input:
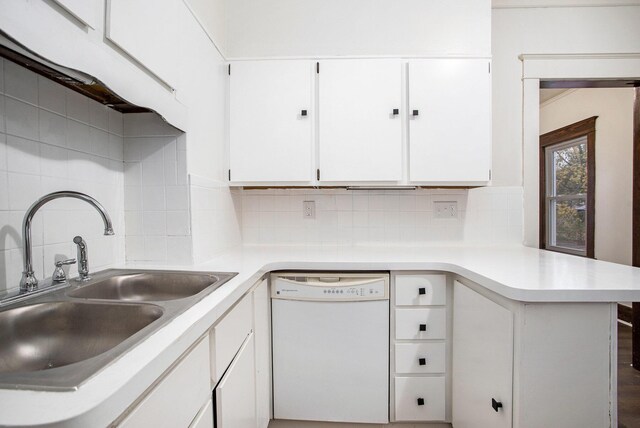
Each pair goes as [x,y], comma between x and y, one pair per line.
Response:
[303,113]
[422,290]
[423,327]
[415,113]
[495,404]
[422,361]
[396,111]
[420,401]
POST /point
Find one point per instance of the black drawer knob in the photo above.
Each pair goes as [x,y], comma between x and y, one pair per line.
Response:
[420,401]
[423,327]
[495,404]
[422,361]
[415,113]
[396,111]
[303,113]
[422,290]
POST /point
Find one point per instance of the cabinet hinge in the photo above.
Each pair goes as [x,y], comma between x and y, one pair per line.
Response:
[489,68]
[229,175]
[229,69]
[318,174]
[489,174]
[317,68]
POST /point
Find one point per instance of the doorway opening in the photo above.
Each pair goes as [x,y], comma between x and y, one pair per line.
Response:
[612,107]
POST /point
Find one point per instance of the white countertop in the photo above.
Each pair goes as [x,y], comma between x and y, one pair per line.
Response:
[516,272]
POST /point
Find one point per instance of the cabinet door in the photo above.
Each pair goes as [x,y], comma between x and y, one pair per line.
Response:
[359,136]
[482,360]
[179,395]
[262,333]
[271,115]
[235,394]
[449,120]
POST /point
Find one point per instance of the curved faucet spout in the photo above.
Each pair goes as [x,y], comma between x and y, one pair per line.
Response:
[29,281]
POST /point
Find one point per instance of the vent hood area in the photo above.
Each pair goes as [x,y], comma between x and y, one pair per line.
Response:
[75,80]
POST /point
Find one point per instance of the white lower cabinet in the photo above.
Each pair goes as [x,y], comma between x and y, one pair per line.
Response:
[177,398]
[482,361]
[419,347]
[235,395]
[205,417]
[421,357]
[262,333]
[420,398]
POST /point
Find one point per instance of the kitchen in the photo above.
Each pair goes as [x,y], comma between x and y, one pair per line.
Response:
[200,169]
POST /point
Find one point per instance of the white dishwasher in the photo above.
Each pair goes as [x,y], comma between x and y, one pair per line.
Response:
[331,346]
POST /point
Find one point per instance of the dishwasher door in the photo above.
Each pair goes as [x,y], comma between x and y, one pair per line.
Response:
[331,354]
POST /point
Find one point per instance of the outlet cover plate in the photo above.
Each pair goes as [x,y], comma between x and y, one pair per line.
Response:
[445,209]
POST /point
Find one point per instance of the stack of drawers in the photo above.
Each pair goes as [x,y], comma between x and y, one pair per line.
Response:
[419,348]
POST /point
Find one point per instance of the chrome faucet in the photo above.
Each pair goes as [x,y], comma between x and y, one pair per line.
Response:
[29,282]
[83,258]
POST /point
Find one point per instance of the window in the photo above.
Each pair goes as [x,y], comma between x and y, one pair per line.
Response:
[567,185]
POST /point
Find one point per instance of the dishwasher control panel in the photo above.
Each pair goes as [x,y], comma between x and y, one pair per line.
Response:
[330,288]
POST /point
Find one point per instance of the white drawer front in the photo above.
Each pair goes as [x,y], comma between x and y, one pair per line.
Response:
[432,321]
[431,390]
[228,335]
[420,358]
[421,289]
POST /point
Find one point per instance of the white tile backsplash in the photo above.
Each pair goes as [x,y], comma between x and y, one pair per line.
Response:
[156,207]
[20,83]
[52,96]
[52,128]
[376,217]
[21,119]
[45,151]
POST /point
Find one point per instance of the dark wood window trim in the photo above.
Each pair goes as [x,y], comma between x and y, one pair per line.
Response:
[584,128]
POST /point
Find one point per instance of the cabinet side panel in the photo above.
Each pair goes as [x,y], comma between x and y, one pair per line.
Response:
[564,370]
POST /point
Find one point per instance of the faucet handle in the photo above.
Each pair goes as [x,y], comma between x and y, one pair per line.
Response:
[61,263]
[58,274]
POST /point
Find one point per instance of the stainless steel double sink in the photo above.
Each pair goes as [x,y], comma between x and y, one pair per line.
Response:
[58,340]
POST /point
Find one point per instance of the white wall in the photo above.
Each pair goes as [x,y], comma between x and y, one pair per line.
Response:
[545,31]
[614,160]
[286,28]
[213,17]
[53,139]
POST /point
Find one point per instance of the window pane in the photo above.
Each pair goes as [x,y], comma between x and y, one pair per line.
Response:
[569,224]
[570,164]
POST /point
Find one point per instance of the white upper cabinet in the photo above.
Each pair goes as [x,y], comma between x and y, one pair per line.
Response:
[152,35]
[271,121]
[449,121]
[360,137]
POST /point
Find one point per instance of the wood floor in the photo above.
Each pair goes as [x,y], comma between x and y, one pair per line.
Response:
[628,382]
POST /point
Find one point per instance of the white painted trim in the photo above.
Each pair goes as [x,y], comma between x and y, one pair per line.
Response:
[581,66]
[561,67]
[323,57]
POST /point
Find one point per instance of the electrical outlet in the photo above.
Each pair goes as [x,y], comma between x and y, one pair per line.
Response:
[309,209]
[445,209]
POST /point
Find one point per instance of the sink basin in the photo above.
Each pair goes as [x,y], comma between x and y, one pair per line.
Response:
[55,334]
[54,341]
[148,286]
